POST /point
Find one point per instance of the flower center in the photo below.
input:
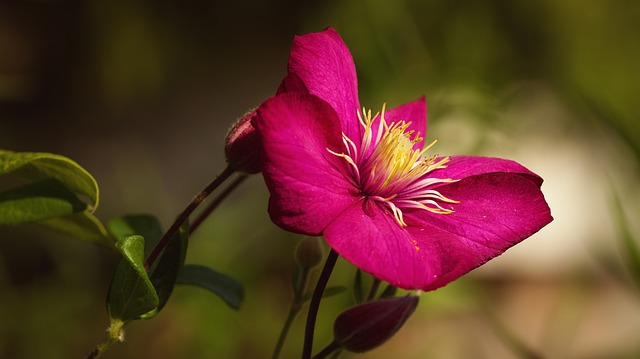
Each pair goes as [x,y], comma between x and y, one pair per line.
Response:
[387,168]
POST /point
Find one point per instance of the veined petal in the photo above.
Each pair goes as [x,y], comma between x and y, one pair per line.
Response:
[369,237]
[308,184]
[324,64]
[433,250]
[416,222]
[414,112]
[292,83]
[459,167]
[496,211]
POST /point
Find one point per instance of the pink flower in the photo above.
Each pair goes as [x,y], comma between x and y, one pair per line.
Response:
[365,182]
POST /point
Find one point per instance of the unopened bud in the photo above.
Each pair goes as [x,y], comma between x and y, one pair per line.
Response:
[309,252]
[242,145]
[366,326]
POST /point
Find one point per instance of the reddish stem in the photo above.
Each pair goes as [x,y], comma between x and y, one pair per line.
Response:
[195,202]
[315,303]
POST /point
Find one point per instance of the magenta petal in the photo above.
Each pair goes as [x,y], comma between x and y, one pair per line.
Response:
[292,83]
[324,64]
[414,112]
[418,257]
[465,166]
[306,182]
[368,236]
[496,211]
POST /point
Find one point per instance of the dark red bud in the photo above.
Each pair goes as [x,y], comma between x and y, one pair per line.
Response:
[242,145]
[368,325]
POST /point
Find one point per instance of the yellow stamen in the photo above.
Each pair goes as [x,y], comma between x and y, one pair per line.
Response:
[388,168]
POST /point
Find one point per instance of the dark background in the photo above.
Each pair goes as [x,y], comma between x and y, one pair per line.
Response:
[141,94]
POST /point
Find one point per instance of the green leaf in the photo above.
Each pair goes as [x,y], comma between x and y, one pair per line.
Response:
[52,198]
[389,291]
[227,288]
[328,292]
[39,166]
[37,201]
[331,291]
[164,274]
[131,295]
[169,264]
[144,225]
[83,226]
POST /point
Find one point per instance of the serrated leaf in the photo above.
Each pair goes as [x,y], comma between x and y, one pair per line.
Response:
[83,226]
[38,201]
[169,264]
[131,295]
[144,225]
[38,166]
[227,288]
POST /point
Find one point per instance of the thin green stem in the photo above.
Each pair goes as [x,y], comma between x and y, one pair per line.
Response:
[294,309]
[214,204]
[517,346]
[315,303]
[195,202]
[101,348]
[293,313]
[116,335]
[512,341]
[333,346]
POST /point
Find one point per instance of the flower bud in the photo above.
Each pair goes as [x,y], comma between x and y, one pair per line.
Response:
[309,252]
[368,325]
[242,145]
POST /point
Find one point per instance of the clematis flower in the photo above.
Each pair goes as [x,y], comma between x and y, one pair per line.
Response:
[367,183]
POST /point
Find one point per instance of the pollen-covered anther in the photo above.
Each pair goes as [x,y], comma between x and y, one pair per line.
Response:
[389,169]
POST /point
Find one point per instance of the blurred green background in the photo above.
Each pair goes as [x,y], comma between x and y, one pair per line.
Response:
[141,93]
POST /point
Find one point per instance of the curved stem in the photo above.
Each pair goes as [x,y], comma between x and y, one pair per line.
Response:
[327,350]
[293,313]
[315,303]
[116,335]
[214,204]
[294,309]
[195,202]
[101,348]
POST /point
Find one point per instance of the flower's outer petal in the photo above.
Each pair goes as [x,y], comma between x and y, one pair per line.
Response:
[368,236]
[496,211]
[307,183]
[414,112]
[323,63]
[292,83]
[460,167]
[435,249]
